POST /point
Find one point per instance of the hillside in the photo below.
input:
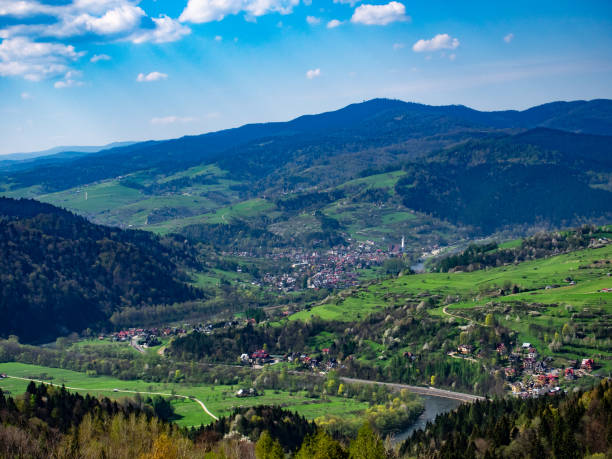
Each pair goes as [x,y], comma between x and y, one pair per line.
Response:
[382,169]
[61,274]
[576,425]
[489,184]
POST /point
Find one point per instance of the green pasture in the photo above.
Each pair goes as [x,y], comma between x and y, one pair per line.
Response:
[220,400]
[533,275]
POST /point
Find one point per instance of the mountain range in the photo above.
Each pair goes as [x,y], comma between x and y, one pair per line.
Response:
[448,165]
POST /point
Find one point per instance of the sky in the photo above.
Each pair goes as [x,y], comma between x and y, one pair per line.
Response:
[91,72]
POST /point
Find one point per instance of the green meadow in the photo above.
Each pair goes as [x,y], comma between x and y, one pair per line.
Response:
[472,287]
[220,399]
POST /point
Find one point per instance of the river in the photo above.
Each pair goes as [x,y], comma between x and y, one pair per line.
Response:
[433,407]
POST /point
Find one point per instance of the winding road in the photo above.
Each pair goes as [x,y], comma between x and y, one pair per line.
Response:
[206,410]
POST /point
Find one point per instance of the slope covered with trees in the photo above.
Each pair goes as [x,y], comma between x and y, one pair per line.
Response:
[500,182]
[577,425]
[59,273]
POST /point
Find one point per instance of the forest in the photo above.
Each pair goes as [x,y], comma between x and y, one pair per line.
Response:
[52,422]
[562,426]
[61,274]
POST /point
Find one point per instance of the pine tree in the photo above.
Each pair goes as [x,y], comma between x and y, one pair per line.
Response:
[367,445]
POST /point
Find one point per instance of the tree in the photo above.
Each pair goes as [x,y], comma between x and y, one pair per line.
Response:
[432,381]
[490,320]
[321,446]
[367,445]
[266,448]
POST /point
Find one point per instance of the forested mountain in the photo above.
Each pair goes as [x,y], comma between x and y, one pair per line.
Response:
[60,273]
[359,127]
[376,170]
[543,176]
[579,425]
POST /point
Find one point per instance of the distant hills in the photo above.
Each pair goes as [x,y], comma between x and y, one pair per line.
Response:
[61,274]
[65,151]
[482,171]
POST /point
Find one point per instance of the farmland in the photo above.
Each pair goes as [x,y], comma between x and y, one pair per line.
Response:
[219,399]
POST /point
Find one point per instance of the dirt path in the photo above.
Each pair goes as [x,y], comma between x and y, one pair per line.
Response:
[206,410]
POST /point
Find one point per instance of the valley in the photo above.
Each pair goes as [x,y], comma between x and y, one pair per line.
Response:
[347,267]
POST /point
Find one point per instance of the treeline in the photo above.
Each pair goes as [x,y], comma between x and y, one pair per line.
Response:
[52,422]
[48,421]
[60,274]
[306,201]
[540,245]
[237,233]
[572,426]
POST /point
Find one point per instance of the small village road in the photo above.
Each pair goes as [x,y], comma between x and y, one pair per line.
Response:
[199,402]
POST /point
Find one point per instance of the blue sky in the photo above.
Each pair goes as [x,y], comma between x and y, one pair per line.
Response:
[89,72]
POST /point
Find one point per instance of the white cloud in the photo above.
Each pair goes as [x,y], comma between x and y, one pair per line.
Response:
[69,80]
[148,77]
[99,57]
[333,24]
[172,119]
[166,30]
[22,8]
[452,57]
[314,73]
[26,96]
[440,41]
[397,46]
[119,19]
[312,20]
[218,38]
[199,11]
[35,61]
[349,2]
[380,14]
[508,38]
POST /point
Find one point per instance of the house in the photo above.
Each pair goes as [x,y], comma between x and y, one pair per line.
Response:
[246,393]
[587,364]
[526,345]
[244,357]
[325,351]
[260,354]
[569,373]
[509,372]
[465,349]
[3,375]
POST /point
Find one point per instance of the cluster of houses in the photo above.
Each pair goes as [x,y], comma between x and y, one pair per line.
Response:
[149,336]
[322,363]
[529,375]
[334,268]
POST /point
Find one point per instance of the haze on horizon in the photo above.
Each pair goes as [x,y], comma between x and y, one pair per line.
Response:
[76,72]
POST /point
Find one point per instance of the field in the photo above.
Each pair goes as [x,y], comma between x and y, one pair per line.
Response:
[220,400]
[533,276]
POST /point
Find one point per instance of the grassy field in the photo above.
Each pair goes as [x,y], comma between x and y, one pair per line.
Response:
[220,400]
[532,275]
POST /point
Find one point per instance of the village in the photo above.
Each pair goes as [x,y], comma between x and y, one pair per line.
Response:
[334,268]
[527,372]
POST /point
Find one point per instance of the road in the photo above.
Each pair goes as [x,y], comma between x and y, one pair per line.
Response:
[431,391]
[135,345]
[206,410]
